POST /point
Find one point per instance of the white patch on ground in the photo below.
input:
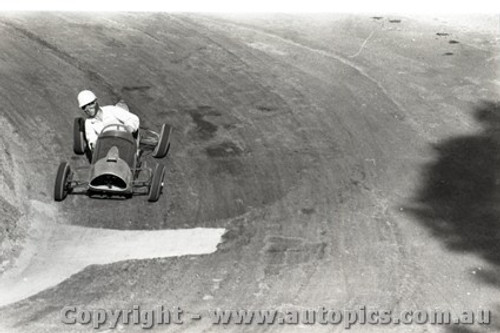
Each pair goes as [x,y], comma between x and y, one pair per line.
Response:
[58,251]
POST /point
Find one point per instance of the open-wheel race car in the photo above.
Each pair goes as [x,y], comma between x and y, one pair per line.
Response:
[117,167]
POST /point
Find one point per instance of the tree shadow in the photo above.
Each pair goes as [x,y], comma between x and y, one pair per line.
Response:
[459,200]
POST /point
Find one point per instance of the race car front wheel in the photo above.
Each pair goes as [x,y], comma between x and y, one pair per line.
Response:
[61,188]
[79,142]
[156,183]
[163,145]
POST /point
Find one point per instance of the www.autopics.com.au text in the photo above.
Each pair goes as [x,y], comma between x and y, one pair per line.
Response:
[161,315]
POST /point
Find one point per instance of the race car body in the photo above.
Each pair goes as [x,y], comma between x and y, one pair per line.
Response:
[116,167]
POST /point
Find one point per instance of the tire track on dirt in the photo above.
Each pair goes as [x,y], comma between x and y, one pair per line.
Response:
[296,123]
[327,54]
[65,56]
[302,107]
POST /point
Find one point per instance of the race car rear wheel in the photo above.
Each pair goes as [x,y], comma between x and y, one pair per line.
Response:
[163,146]
[61,188]
[79,142]
[156,186]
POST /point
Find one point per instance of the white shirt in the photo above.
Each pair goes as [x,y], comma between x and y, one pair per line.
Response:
[109,115]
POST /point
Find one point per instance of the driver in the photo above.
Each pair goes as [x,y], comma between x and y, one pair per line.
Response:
[99,117]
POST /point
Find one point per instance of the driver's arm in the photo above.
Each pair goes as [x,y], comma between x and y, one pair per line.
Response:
[130,120]
[90,134]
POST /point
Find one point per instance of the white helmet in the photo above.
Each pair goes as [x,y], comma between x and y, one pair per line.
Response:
[86,97]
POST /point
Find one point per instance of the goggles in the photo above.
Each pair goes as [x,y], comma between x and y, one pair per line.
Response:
[86,106]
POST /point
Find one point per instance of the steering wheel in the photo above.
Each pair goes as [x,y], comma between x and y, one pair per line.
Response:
[119,127]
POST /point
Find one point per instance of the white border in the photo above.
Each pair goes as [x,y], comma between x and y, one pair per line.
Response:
[349,6]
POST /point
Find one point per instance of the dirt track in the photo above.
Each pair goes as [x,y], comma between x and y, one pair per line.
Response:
[352,159]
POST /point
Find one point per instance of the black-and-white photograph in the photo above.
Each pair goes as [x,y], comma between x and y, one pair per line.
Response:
[277,170]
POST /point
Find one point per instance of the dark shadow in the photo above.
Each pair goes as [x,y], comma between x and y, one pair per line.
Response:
[459,200]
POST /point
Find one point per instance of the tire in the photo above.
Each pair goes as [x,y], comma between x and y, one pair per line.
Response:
[163,145]
[79,142]
[156,185]
[61,189]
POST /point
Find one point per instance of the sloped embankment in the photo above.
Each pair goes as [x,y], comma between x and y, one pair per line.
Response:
[25,195]
[12,225]
[34,119]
